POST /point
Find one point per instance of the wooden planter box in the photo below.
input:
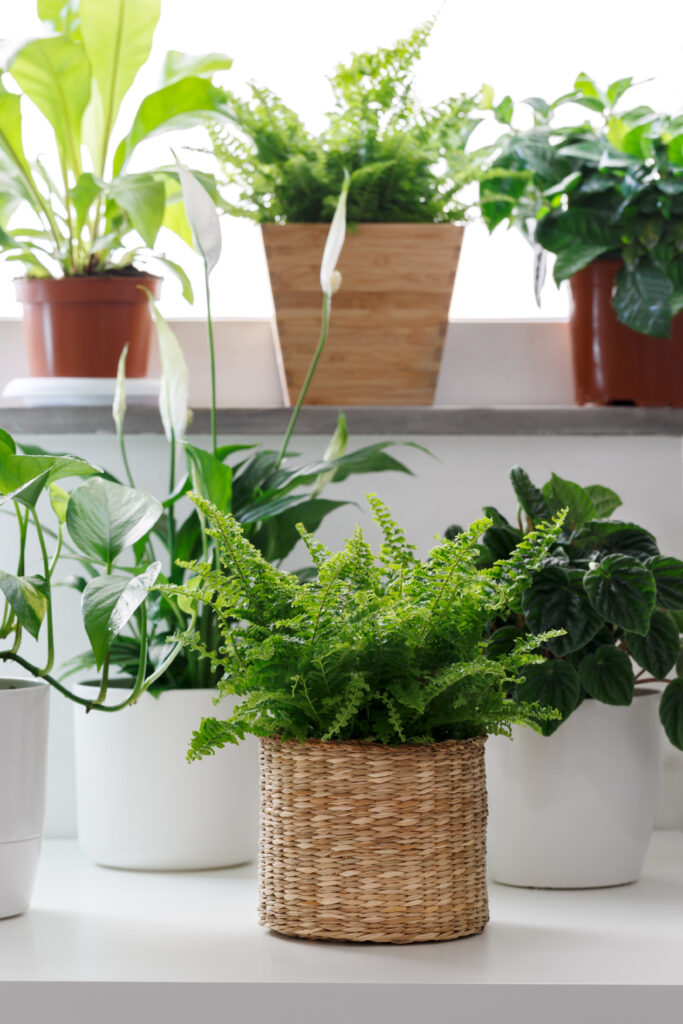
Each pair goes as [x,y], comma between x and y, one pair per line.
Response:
[389,318]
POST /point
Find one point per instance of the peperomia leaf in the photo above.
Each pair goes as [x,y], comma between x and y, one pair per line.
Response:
[529,496]
[552,684]
[605,501]
[668,574]
[606,675]
[28,597]
[671,712]
[561,493]
[623,591]
[614,537]
[656,652]
[556,600]
[103,518]
[108,604]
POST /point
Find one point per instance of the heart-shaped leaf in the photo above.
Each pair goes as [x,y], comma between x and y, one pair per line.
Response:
[23,477]
[671,712]
[605,501]
[28,597]
[656,652]
[561,493]
[552,684]
[103,518]
[556,600]
[109,602]
[623,591]
[668,574]
[614,537]
[607,675]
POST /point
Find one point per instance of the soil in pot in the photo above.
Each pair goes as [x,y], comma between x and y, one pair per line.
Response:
[78,326]
[614,365]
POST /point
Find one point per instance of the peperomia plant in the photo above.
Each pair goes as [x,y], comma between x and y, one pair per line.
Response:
[607,585]
[406,162]
[382,648]
[610,186]
[83,210]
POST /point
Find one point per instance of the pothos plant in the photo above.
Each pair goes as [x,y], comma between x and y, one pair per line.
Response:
[379,648]
[607,185]
[80,209]
[124,540]
[619,600]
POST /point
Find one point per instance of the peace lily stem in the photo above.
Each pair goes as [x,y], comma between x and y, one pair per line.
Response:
[212,358]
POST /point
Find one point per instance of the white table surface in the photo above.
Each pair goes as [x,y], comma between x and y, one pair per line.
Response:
[104,941]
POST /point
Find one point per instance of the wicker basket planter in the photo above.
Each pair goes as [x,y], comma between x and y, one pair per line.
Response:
[367,843]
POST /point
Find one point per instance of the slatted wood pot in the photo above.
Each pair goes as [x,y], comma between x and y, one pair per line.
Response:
[389,318]
[366,843]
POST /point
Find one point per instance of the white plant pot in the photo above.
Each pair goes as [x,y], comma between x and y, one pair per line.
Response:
[142,806]
[576,809]
[24,715]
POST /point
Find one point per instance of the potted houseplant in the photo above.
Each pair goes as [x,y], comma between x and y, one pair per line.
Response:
[407,166]
[606,197]
[573,804]
[79,227]
[372,698]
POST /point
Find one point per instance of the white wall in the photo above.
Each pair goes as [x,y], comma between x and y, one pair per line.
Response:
[465,473]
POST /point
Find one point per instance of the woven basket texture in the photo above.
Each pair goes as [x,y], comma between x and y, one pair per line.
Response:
[367,843]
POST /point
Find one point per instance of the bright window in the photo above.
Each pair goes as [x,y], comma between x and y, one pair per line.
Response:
[533,48]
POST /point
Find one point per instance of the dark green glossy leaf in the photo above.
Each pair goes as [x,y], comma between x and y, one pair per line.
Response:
[606,675]
[278,535]
[623,591]
[555,600]
[575,256]
[552,684]
[210,477]
[502,641]
[671,712]
[499,541]
[28,597]
[103,518]
[656,652]
[668,574]
[529,496]
[605,501]
[615,537]
[642,299]
[561,494]
[108,604]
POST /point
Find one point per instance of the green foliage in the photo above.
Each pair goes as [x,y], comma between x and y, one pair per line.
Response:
[406,162]
[380,648]
[98,215]
[606,585]
[610,185]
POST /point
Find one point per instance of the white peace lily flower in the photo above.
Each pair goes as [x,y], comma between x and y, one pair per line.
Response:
[202,217]
[334,244]
[118,409]
[173,393]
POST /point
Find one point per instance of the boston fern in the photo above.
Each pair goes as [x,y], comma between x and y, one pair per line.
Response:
[407,162]
[379,648]
[607,585]
[610,186]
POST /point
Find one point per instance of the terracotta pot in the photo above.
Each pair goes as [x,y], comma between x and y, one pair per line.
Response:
[389,318]
[77,326]
[613,364]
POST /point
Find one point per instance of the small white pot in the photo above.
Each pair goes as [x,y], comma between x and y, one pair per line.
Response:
[24,716]
[142,806]
[576,809]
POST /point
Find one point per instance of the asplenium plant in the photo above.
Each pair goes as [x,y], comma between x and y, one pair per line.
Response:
[406,162]
[605,582]
[610,184]
[80,209]
[377,647]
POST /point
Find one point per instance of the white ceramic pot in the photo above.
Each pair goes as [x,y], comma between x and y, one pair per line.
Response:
[141,805]
[576,809]
[24,715]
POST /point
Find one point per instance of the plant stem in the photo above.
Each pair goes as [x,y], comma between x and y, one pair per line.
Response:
[47,571]
[124,456]
[171,513]
[212,358]
[309,376]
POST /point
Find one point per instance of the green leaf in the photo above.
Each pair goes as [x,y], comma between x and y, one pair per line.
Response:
[180,105]
[185,283]
[84,193]
[529,496]
[671,712]
[504,110]
[278,535]
[335,450]
[618,538]
[108,604]
[55,74]
[210,477]
[28,597]
[103,518]
[605,501]
[575,256]
[10,131]
[8,441]
[587,87]
[185,65]
[668,574]
[656,652]
[502,641]
[623,591]
[201,216]
[118,38]
[59,500]
[617,89]
[642,298]
[561,494]
[499,541]
[556,600]
[23,477]
[143,197]
[607,676]
[552,684]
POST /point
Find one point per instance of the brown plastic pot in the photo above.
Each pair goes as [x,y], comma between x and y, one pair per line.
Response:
[614,365]
[77,326]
